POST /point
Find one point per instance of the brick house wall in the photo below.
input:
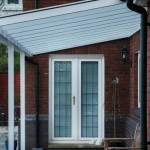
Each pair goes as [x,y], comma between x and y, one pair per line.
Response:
[128,96]
[4,91]
[134,48]
[30,88]
[30,4]
[114,67]
[4,85]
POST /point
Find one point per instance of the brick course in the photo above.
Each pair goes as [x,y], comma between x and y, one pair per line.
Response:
[4,86]
[30,5]
[114,67]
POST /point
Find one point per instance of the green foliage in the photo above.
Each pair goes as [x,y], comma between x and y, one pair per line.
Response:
[4,59]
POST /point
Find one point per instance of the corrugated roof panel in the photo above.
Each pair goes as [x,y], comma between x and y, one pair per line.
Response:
[70,29]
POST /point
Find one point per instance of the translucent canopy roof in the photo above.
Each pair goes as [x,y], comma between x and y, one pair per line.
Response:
[71,25]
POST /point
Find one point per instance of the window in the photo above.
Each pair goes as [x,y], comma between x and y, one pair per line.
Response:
[13,5]
[89,99]
[77,98]
[13,1]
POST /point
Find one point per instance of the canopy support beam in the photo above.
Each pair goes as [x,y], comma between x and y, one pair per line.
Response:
[10,95]
[22,97]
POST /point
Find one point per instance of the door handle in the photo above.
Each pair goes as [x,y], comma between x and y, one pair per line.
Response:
[74,100]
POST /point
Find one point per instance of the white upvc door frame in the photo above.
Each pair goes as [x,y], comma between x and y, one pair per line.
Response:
[139,60]
[74,105]
[76,76]
[100,98]
[73,94]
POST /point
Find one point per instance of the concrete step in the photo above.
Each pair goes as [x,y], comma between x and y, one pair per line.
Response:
[74,149]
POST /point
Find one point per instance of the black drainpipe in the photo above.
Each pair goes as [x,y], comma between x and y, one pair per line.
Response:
[36,2]
[36,100]
[143,72]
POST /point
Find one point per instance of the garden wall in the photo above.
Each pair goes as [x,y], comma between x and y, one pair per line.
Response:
[4,88]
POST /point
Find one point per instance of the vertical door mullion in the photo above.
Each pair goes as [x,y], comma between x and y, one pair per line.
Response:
[74,105]
[79,93]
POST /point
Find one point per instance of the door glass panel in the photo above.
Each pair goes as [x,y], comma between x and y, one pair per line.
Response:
[62,99]
[89,99]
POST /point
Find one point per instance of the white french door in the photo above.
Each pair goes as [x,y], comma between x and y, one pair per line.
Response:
[76,98]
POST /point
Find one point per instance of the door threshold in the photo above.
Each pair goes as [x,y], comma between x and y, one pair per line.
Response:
[64,145]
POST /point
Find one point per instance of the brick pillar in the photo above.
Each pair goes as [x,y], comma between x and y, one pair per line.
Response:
[134,47]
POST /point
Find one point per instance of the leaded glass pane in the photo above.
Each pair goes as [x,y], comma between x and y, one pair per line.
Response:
[13,1]
[89,99]
[62,99]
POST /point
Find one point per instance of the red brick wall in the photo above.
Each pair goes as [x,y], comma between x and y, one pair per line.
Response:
[30,88]
[134,47]
[43,85]
[29,4]
[4,86]
[113,68]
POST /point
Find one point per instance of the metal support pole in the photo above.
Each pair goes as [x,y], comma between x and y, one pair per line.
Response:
[11,96]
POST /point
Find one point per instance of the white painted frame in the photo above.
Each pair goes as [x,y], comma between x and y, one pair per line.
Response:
[11,49]
[139,59]
[52,106]
[10,95]
[12,6]
[76,59]
[22,99]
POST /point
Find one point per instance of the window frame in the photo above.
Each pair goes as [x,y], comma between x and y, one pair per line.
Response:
[139,59]
[13,7]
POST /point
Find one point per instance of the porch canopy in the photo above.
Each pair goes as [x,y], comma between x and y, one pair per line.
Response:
[71,25]
[57,28]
